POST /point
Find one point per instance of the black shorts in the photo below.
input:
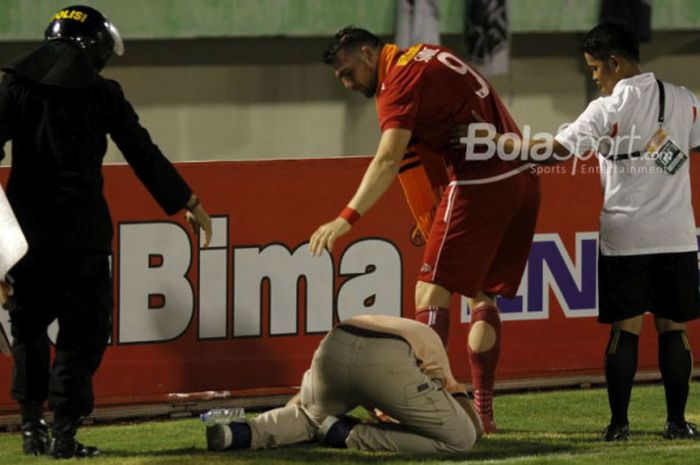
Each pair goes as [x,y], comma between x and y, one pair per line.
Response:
[664,284]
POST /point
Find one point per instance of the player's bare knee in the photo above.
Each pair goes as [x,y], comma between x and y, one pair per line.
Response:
[431,294]
[482,299]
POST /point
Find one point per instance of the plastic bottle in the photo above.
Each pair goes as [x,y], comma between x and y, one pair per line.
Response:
[222,415]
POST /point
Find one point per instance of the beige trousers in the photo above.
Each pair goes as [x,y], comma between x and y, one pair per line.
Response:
[349,370]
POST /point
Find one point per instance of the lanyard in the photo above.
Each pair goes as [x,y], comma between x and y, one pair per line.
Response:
[661,118]
[662,101]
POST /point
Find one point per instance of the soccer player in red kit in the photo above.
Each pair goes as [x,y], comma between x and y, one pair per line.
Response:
[481,235]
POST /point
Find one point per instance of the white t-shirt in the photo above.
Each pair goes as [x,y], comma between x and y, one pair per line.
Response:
[645,209]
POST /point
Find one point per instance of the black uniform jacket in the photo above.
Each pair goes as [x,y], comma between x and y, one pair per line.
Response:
[58,110]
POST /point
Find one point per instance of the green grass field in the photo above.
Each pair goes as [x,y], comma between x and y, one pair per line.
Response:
[537,428]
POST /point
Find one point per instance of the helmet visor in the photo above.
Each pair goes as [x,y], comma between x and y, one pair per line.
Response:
[118,42]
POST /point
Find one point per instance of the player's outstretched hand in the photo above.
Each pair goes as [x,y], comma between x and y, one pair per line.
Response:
[198,217]
[326,234]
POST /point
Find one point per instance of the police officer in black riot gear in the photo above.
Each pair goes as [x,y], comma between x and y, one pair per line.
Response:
[58,110]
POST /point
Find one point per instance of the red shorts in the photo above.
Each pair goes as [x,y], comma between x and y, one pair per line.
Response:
[481,237]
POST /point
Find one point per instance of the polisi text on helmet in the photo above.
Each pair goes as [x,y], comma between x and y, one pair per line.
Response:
[71,14]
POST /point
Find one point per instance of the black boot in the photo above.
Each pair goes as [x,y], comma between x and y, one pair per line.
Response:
[684,430]
[64,445]
[35,432]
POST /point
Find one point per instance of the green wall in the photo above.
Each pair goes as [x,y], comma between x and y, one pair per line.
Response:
[163,19]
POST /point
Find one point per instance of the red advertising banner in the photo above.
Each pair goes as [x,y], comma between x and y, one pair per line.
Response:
[249,310]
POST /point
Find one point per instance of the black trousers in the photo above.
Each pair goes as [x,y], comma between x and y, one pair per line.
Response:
[74,287]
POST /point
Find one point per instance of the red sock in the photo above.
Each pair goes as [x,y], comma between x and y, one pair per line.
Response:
[437,318]
[483,364]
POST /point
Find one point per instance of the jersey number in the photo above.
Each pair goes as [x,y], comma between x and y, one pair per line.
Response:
[457,65]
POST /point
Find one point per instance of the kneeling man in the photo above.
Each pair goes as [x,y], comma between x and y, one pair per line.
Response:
[391,364]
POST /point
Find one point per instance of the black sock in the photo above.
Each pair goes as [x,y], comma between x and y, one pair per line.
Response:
[676,364]
[242,435]
[620,367]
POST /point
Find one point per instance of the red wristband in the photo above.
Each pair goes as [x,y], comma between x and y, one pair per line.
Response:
[350,215]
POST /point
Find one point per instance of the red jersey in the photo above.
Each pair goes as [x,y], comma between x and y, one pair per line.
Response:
[428,90]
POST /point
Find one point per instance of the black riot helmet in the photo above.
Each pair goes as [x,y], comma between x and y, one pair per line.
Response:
[89,29]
